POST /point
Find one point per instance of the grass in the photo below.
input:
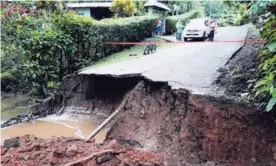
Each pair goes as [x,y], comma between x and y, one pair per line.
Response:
[124,55]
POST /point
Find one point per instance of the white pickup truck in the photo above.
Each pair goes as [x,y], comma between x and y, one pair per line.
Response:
[197,29]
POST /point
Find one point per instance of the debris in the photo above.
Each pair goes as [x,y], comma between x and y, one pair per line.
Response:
[55,150]
[11,143]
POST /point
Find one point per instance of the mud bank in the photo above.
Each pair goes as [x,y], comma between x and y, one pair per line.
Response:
[185,128]
[194,129]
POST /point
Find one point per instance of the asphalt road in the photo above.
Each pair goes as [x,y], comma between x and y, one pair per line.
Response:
[192,65]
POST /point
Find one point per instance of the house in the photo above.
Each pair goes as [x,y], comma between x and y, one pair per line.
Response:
[97,10]
[153,6]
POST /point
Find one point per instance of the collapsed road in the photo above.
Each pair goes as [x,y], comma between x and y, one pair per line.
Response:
[171,107]
[191,66]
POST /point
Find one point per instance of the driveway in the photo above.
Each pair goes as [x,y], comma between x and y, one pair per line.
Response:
[191,65]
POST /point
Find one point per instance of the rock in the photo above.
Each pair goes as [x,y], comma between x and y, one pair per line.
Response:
[59,152]
[210,163]
[147,164]
[72,150]
[104,158]
[3,150]
[26,156]
[244,94]
[112,143]
[35,146]
[13,142]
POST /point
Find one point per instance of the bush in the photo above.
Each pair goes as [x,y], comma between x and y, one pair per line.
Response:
[264,91]
[130,29]
[62,43]
[172,20]
[123,8]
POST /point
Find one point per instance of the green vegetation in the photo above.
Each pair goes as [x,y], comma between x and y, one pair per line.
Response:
[139,6]
[172,20]
[42,41]
[244,12]
[238,17]
[180,7]
[123,8]
[264,91]
[124,55]
[41,47]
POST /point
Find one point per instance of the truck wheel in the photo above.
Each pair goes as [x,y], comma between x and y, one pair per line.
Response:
[185,39]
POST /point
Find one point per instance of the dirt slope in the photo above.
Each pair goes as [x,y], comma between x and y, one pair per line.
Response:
[194,129]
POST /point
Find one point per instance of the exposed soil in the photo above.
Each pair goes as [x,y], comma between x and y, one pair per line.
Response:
[186,129]
[240,71]
[194,129]
[32,151]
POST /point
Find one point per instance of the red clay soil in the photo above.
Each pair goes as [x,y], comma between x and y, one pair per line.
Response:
[31,151]
[186,129]
[194,129]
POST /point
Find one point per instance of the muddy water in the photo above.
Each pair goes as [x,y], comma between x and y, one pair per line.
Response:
[11,107]
[54,126]
[64,125]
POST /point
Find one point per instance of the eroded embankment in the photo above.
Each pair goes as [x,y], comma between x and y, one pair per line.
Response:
[194,129]
[186,128]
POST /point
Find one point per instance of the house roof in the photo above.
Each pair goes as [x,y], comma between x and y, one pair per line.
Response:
[89,4]
[154,3]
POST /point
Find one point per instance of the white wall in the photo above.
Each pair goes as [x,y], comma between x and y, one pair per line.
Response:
[83,11]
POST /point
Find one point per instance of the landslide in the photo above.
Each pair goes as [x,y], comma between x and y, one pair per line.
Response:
[194,129]
[185,128]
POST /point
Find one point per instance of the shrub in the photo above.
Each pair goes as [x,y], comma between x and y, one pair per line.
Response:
[264,91]
[172,20]
[121,30]
[123,8]
[77,41]
[61,43]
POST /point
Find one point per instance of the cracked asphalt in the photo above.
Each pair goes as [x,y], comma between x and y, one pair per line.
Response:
[192,65]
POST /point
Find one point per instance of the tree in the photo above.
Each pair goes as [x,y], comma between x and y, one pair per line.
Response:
[139,5]
[123,8]
[180,7]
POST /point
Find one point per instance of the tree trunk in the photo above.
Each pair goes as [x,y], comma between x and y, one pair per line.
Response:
[60,65]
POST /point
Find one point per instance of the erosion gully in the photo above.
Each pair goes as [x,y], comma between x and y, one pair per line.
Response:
[188,129]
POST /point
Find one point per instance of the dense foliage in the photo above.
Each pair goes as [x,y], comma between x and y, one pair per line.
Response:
[265,88]
[239,13]
[122,8]
[172,20]
[140,9]
[41,47]
[180,7]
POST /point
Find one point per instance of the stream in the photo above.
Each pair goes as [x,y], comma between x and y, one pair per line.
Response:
[53,125]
